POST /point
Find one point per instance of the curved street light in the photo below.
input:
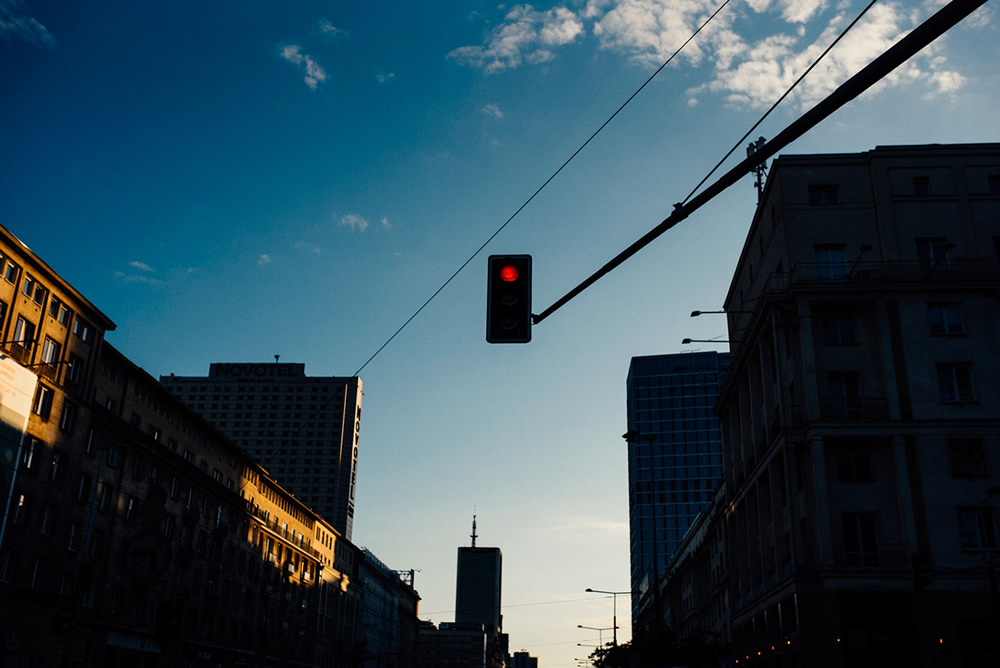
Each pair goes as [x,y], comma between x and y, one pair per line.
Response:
[614,596]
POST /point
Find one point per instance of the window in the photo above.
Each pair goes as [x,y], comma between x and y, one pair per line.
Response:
[48,519]
[33,289]
[7,565]
[824,194]
[59,311]
[24,332]
[945,319]
[845,395]
[967,458]
[860,539]
[68,419]
[37,569]
[932,252]
[922,186]
[838,329]
[994,183]
[188,456]
[955,382]
[28,454]
[978,527]
[10,272]
[3,313]
[20,509]
[83,488]
[74,537]
[831,262]
[75,372]
[50,352]
[55,471]
[82,329]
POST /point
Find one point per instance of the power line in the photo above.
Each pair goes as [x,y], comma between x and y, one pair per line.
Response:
[774,106]
[945,19]
[542,187]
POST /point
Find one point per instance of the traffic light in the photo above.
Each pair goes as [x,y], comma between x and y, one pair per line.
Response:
[508,299]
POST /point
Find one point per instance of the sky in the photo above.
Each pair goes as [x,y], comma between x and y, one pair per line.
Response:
[230,181]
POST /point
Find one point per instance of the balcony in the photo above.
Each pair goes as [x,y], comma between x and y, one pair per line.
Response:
[858,274]
[885,555]
[854,409]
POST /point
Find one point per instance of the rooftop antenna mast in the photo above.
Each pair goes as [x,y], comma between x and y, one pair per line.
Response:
[473,529]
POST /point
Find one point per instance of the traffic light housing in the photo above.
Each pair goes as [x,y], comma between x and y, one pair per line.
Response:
[508,299]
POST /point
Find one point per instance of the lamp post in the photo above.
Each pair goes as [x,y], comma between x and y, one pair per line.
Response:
[600,636]
[614,598]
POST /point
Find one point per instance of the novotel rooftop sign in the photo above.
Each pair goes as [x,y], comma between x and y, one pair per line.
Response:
[221,370]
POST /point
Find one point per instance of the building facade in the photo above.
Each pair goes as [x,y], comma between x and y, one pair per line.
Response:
[134,532]
[388,615]
[674,456]
[861,413]
[303,429]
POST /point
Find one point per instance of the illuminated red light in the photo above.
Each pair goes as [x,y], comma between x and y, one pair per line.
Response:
[509,273]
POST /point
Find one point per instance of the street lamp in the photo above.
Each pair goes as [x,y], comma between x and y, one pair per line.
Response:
[614,597]
[684,342]
[600,636]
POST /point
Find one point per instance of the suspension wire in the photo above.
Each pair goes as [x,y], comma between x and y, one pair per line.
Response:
[779,100]
[542,187]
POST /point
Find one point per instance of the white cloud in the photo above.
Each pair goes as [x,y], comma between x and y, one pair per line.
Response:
[142,266]
[354,221]
[263,259]
[16,25]
[493,111]
[315,74]
[382,78]
[327,29]
[756,74]
[525,36]
[386,225]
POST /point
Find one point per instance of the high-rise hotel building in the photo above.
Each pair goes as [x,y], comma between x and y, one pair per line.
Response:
[674,455]
[304,430]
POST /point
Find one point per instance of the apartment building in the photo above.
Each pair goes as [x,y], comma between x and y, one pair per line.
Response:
[861,412]
[135,533]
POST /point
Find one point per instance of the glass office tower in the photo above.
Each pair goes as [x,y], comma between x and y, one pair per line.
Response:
[674,454]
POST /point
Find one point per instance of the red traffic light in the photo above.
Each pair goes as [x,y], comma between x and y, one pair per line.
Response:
[508,299]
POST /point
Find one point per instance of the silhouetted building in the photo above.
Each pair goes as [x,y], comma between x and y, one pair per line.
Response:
[451,646]
[303,429]
[388,615]
[477,590]
[861,412]
[674,455]
[523,660]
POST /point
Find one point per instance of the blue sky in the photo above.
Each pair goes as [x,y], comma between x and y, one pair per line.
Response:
[229,181]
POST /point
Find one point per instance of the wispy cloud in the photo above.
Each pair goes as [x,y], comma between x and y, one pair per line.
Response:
[328,30]
[141,266]
[745,68]
[356,222]
[133,277]
[525,36]
[263,259]
[16,24]
[386,225]
[314,72]
[382,78]
[493,111]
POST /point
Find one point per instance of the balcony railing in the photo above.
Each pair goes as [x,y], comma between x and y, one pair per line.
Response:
[884,555]
[956,270]
[855,409]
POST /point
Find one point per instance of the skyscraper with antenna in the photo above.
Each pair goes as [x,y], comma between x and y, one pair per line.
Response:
[477,590]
